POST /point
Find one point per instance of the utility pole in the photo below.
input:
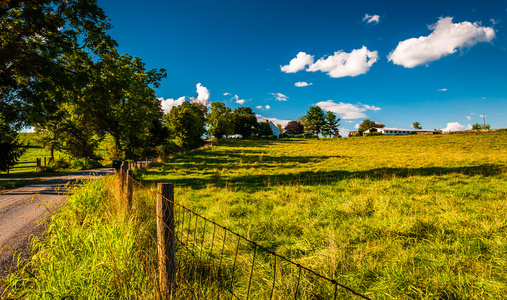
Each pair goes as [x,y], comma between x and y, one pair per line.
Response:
[484,116]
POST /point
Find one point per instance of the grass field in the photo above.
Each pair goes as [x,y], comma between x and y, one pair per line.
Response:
[392,217]
[407,217]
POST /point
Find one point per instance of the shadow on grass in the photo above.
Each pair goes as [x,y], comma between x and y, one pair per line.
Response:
[251,182]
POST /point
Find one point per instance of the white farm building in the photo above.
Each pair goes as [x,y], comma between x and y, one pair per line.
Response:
[398,131]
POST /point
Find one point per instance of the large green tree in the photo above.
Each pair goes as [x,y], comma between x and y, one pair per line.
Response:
[245,121]
[315,119]
[367,124]
[46,51]
[331,125]
[186,124]
[219,120]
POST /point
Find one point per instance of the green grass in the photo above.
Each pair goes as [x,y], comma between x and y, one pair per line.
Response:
[407,217]
[92,249]
[392,217]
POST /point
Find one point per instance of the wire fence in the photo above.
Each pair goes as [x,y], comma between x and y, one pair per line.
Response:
[199,258]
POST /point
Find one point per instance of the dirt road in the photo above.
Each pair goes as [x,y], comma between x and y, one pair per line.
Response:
[23,208]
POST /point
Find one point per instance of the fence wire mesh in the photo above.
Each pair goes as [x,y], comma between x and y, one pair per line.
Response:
[214,262]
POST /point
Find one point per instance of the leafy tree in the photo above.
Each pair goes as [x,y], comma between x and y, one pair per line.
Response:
[10,148]
[315,119]
[367,124]
[219,120]
[416,125]
[478,126]
[245,121]
[186,124]
[294,128]
[280,129]
[46,50]
[331,125]
[264,129]
[302,120]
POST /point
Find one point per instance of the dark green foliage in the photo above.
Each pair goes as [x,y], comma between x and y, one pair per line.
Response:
[265,129]
[245,122]
[367,124]
[220,120]
[478,126]
[10,148]
[315,119]
[186,124]
[416,125]
[331,125]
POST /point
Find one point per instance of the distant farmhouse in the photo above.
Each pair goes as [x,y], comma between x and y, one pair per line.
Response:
[275,130]
[395,131]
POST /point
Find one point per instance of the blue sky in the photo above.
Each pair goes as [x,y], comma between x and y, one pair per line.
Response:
[441,63]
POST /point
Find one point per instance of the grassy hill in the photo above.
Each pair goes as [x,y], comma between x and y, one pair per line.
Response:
[392,217]
[402,217]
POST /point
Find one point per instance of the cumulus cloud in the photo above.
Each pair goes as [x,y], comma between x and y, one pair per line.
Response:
[347,110]
[456,126]
[340,64]
[274,120]
[168,104]
[444,40]
[299,63]
[263,107]
[469,118]
[279,96]
[227,94]
[357,126]
[302,84]
[202,92]
[239,101]
[370,19]
[442,90]
[483,116]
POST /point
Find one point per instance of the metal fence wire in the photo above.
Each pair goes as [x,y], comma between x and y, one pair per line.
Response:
[214,262]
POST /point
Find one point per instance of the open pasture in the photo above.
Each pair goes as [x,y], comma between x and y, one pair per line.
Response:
[392,217]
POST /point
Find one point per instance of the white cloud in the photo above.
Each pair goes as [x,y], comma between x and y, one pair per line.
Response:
[343,131]
[274,120]
[302,84]
[263,107]
[483,116]
[357,126]
[469,118]
[299,63]
[168,104]
[444,40]
[227,94]
[370,19]
[347,110]
[442,90]
[456,126]
[202,92]
[472,113]
[280,96]
[342,64]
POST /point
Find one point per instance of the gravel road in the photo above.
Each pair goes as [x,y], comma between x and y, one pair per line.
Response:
[23,208]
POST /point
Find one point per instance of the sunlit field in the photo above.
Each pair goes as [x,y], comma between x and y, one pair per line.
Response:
[391,217]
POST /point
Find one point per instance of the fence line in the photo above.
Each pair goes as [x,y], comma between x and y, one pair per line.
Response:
[237,265]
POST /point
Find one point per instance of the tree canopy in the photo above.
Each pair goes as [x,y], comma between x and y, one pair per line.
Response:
[186,124]
[367,124]
[219,120]
[331,124]
[315,119]
[294,128]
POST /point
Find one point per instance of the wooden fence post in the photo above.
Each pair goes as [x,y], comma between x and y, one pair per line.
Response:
[123,176]
[166,240]
[130,185]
